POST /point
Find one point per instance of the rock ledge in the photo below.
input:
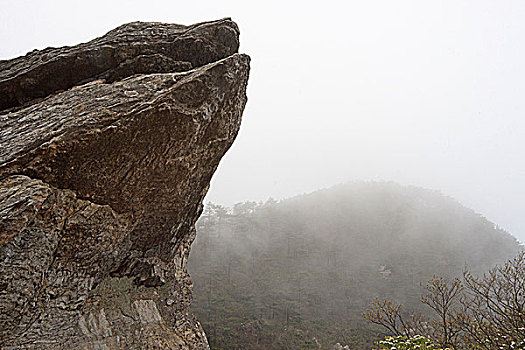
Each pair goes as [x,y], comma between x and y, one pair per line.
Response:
[106,152]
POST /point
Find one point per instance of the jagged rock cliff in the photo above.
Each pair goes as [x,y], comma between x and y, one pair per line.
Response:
[106,153]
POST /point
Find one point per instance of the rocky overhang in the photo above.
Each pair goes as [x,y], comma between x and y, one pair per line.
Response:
[106,153]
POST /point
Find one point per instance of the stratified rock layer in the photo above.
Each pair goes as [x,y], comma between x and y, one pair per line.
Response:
[129,49]
[101,184]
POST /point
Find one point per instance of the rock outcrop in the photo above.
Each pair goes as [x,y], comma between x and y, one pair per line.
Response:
[106,153]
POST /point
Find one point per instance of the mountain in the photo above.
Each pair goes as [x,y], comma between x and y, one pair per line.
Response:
[298,273]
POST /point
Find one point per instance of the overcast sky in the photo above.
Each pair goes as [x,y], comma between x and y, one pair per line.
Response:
[423,92]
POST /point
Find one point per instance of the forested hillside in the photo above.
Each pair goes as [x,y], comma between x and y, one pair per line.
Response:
[299,273]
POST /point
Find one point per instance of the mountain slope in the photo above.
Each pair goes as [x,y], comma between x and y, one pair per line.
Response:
[300,272]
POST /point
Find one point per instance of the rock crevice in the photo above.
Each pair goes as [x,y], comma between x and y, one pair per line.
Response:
[106,152]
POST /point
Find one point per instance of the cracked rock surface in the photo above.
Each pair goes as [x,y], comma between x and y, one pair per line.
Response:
[106,152]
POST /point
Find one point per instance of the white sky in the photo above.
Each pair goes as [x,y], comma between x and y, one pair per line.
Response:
[427,93]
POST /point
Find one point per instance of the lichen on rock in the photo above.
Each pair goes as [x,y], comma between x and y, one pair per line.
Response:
[106,152]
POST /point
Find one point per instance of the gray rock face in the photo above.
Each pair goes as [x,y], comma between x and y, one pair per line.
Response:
[129,49]
[101,184]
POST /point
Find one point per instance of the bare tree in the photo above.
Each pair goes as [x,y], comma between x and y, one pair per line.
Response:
[494,305]
[443,296]
[486,312]
[391,316]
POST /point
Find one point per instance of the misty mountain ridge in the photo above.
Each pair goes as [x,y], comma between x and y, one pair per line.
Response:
[298,273]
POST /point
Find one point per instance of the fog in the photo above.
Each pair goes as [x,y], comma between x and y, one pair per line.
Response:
[315,262]
[425,93]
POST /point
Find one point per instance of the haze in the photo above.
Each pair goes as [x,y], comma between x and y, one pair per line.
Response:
[426,93]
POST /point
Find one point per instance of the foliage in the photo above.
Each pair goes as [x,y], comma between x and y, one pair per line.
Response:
[408,343]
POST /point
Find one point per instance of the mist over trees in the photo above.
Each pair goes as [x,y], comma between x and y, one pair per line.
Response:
[299,273]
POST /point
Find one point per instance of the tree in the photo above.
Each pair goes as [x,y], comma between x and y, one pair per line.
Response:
[494,306]
[443,297]
[486,312]
[388,314]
